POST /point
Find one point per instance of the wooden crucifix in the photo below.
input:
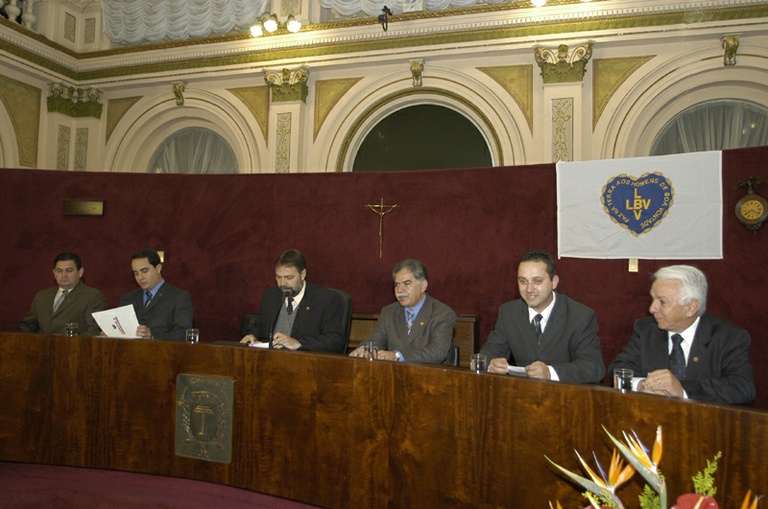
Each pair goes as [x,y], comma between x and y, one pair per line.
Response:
[381,210]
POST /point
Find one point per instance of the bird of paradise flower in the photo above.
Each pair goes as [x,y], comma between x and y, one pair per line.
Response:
[640,459]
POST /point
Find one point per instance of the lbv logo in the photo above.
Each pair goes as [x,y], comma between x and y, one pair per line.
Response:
[638,204]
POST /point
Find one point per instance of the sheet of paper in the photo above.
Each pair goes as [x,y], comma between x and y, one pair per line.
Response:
[259,344]
[516,370]
[118,322]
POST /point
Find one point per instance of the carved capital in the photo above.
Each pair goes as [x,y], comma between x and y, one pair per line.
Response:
[730,46]
[562,65]
[288,85]
[74,102]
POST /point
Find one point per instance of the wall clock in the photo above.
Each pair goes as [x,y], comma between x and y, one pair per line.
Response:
[752,209]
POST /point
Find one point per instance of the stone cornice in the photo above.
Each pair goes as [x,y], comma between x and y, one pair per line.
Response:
[484,25]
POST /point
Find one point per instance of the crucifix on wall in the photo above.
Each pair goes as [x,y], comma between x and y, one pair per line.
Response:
[381,210]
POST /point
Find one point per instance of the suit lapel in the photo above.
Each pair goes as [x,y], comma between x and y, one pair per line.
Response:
[71,296]
[699,348]
[301,311]
[554,324]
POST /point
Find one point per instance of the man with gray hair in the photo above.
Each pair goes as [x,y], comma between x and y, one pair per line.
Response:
[683,352]
[417,328]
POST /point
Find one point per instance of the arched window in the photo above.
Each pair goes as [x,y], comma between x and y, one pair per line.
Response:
[714,125]
[423,137]
[194,150]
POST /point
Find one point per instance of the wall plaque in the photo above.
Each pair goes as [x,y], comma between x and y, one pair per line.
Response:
[204,417]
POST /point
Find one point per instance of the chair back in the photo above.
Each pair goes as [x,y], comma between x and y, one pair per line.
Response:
[346,314]
[453,356]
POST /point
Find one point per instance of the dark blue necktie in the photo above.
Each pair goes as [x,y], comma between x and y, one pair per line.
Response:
[537,324]
[677,357]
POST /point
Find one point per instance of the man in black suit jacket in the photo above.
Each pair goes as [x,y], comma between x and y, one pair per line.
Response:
[297,314]
[716,364]
[75,306]
[552,336]
[164,311]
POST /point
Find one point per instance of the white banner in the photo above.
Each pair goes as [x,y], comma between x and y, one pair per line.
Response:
[663,207]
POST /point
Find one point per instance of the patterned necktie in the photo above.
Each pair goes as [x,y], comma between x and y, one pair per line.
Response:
[149,299]
[57,304]
[290,305]
[537,324]
[409,319]
[677,357]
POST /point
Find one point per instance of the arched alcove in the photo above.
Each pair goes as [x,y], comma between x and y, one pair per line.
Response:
[644,105]
[153,119]
[421,137]
[194,150]
[714,125]
[503,129]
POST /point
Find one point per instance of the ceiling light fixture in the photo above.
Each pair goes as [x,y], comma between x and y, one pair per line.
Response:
[270,24]
[539,3]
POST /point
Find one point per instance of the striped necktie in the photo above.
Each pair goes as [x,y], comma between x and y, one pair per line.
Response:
[59,300]
[409,319]
[148,299]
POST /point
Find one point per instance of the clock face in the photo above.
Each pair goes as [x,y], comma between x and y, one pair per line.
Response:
[752,209]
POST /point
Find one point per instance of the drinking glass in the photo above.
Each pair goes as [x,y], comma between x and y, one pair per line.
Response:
[371,352]
[193,336]
[478,363]
[622,379]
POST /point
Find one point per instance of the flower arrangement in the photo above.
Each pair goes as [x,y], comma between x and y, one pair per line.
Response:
[601,489]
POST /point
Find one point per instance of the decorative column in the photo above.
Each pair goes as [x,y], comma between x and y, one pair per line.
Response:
[74,111]
[287,116]
[563,72]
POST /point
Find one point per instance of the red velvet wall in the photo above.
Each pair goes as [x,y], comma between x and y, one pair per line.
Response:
[221,233]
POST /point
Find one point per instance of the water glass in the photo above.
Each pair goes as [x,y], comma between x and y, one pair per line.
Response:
[622,379]
[193,336]
[478,363]
[370,350]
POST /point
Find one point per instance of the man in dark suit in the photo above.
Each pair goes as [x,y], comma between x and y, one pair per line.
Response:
[713,353]
[70,301]
[416,328]
[297,314]
[164,311]
[552,336]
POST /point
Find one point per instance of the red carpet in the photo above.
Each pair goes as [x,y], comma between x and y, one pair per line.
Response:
[43,486]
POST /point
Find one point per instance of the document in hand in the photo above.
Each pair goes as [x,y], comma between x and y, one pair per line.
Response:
[118,322]
[516,370]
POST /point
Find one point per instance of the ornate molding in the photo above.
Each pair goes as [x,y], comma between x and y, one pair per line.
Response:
[74,102]
[178,91]
[562,65]
[288,85]
[730,45]
[417,69]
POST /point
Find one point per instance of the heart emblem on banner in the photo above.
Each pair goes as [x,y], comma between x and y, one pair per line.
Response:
[638,204]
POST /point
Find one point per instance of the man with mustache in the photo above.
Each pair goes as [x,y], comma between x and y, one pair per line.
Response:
[417,328]
[297,314]
[550,335]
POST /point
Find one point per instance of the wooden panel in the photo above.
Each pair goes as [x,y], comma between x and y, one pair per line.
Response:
[465,333]
[340,432]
